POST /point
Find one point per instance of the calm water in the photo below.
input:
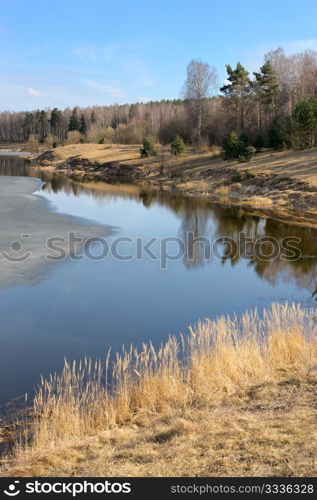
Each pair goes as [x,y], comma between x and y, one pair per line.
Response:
[84,307]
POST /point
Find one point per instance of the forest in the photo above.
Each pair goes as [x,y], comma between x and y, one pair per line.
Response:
[274,107]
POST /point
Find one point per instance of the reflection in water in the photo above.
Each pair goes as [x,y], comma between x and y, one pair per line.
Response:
[86,307]
[202,219]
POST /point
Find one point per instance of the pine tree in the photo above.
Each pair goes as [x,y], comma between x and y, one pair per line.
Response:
[83,125]
[57,122]
[305,120]
[177,146]
[74,123]
[56,118]
[149,148]
[28,125]
[267,89]
[237,91]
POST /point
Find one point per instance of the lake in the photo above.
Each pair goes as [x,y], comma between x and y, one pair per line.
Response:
[137,293]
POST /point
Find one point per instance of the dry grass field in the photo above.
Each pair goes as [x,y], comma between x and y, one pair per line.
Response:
[242,402]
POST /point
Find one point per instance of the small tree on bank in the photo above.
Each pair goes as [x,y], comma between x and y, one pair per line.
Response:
[149,148]
[236,147]
[178,146]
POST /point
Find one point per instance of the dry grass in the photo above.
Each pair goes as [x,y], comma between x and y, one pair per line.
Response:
[299,165]
[98,152]
[235,397]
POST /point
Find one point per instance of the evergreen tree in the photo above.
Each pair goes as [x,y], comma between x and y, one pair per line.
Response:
[74,123]
[305,122]
[42,125]
[178,146]
[56,118]
[28,125]
[132,111]
[237,91]
[267,84]
[149,148]
[279,132]
[236,147]
[266,89]
[83,125]
[57,123]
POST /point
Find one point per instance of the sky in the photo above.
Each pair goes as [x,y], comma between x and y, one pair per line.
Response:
[98,52]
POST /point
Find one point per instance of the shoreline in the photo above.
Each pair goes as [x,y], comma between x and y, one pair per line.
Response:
[279,185]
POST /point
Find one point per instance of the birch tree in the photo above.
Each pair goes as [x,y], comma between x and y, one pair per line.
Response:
[201,80]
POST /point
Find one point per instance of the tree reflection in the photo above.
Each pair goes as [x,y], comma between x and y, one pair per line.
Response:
[200,219]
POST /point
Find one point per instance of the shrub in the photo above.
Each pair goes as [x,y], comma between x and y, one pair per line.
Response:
[178,146]
[50,140]
[75,137]
[279,132]
[149,148]
[104,135]
[243,158]
[305,122]
[259,143]
[33,143]
[236,147]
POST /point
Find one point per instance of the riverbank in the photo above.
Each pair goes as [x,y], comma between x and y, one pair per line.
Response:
[238,406]
[282,185]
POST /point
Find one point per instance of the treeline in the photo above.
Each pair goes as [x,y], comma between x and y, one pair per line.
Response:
[273,107]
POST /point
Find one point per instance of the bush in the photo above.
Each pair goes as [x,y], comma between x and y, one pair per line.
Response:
[149,148]
[259,143]
[50,140]
[280,132]
[104,135]
[75,137]
[178,146]
[236,147]
[305,123]
[243,158]
[33,143]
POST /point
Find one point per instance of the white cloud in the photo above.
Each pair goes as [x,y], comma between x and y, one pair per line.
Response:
[35,93]
[111,90]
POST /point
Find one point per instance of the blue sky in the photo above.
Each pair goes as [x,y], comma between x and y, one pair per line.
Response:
[74,52]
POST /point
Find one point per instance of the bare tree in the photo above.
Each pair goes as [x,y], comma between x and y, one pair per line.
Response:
[201,80]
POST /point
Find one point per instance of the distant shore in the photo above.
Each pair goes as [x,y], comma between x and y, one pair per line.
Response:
[282,185]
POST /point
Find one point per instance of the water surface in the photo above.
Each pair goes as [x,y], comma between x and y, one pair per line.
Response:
[84,307]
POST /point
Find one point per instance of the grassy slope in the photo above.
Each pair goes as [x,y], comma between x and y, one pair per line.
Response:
[241,406]
[281,184]
[300,165]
